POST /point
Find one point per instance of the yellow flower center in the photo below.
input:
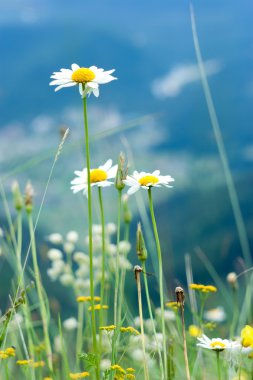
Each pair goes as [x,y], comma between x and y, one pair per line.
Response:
[217,344]
[83,75]
[97,175]
[148,180]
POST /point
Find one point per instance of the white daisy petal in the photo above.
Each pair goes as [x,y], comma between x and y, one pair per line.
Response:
[106,166]
[146,180]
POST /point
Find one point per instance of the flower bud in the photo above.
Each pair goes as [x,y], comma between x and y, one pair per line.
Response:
[127,215]
[17,197]
[140,244]
[121,173]
[29,194]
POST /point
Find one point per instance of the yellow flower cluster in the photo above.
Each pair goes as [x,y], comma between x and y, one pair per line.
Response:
[210,325]
[173,305]
[80,375]
[87,299]
[130,330]
[40,347]
[10,351]
[31,363]
[107,328]
[122,373]
[204,288]
[47,378]
[98,307]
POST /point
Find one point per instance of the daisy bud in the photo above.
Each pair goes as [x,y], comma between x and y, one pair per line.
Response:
[121,173]
[127,215]
[180,295]
[17,197]
[232,280]
[140,244]
[29,194]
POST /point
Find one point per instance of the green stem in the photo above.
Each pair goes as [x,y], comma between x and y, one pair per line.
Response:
[42,304]
[116,291]
[235,313]
[218,364]
[152,320]
[102,289]
[27,314]
[122,277]
[138,280]
[87,151]
[79,338]
[160,271]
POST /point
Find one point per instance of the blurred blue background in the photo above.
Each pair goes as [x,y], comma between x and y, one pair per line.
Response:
[150,45]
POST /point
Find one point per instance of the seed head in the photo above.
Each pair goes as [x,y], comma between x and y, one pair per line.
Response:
[17,197]
[29,194]
[180,295]
[121,173]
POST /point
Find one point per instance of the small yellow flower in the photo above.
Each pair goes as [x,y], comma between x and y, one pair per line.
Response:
[118,368]
[129,376]
[10,351]
[87,298]
[98,307]
[38,364]
[130,370]
[203,288]
[47,378]
[130,330]
[40,347]
[195,331]
[3,355]
[210,326]
[247,336]
[173,305]
[80,375]
[108,328]
[24,362]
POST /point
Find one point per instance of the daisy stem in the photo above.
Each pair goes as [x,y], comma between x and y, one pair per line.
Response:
[102,289]
[160,270]
[152,320]
[122,276]
[43,310]
[138,280]
[87,151]
[218,364]
[116,291]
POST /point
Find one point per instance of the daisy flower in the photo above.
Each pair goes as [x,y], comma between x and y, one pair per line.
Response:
[98,177]
[146,180]
[88,79]
[217,344]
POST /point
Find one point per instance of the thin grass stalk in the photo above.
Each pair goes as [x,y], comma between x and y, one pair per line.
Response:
[79,337]
[221,148]
[152,321]
[138,281]
[87,151]
[27,314]
[42,306]
[160,270]
[116,290]
[185,345]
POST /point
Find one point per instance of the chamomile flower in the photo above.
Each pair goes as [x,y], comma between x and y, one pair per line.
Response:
[88,79]
[98,177]
[217,344]
[146,180]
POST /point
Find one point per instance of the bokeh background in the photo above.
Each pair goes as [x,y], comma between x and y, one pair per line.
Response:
[155,113]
